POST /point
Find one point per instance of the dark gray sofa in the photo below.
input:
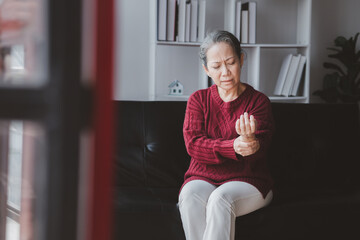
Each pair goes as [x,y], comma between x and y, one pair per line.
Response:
[314,159]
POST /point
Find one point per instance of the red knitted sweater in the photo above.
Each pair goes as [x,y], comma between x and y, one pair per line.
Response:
[209,133]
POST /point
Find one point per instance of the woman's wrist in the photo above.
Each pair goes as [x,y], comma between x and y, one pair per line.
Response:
[246,148]
[248,138]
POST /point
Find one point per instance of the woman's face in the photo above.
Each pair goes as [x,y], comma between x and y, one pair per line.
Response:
[223,66]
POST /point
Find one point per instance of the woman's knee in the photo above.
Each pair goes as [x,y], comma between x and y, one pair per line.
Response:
[220,200]
[196,191]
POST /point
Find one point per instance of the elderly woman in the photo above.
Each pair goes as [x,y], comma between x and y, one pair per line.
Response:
[227,131]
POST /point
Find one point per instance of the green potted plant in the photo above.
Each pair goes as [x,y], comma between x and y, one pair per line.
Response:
[343,83]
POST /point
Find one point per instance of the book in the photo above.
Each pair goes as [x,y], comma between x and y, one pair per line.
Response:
[290,76]
[238,20]
[187,22]
[202,14]
[244,26]
[162,15]
[181,20]
[229,13]
[298,76]
[194,20]
[251,8]
[171,15]
[282,75]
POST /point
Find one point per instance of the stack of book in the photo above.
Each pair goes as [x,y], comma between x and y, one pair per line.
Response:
[290,75]
[240,19]
[181,20]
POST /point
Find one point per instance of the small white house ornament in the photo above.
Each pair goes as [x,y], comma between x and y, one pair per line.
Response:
[176,88]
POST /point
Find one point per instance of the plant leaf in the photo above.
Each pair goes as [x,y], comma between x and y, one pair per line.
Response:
[334,49]
[354,40]
[333,66]
[330,80]
[357,56]
[357,84]
[344,83]
[340,41]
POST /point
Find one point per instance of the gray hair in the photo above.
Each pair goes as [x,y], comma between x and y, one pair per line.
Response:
[219,36]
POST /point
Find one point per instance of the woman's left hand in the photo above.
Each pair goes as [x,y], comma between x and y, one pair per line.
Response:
[246,148]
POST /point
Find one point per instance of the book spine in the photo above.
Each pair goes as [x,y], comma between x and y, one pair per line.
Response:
[171,14]
[252,22]
[229,15]
[298,77]
[238,20]
[181,20]
[202,14]
[290,76]
[194,20]
[282,75]
[244,26]
[162,15]
[187,22]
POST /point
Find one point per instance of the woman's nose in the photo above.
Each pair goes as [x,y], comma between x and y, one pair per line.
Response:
[224,70]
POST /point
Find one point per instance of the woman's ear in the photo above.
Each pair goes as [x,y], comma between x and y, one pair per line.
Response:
[241,59]
[206,70]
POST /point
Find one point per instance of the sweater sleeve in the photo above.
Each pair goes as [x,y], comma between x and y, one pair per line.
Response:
[265,127]
[198,144]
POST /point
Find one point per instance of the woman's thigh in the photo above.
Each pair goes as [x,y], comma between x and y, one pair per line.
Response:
[242,197]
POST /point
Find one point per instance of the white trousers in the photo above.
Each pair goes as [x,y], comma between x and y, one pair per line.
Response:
[208,212]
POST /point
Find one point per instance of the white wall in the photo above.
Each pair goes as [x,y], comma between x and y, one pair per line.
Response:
[132,50]
[330,18]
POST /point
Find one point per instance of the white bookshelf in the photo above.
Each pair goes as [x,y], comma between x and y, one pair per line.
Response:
[283,27]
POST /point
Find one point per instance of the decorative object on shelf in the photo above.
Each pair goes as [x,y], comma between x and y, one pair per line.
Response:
[176,88]
[344,83]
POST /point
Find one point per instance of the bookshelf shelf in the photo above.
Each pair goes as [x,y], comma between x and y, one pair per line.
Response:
[244,45]
[282,28]
[172,43]
[173,98]
[286,99]
[275,45]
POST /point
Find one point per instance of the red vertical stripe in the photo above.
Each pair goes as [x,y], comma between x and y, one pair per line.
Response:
[101,225]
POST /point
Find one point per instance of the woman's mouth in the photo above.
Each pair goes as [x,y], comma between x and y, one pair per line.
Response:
[226,81]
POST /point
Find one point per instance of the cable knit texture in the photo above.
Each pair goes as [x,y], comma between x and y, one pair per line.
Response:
[209,133]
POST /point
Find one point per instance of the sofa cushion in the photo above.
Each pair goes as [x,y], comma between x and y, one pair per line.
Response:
[146,200]
[312,218]
[150,148]
[315,149]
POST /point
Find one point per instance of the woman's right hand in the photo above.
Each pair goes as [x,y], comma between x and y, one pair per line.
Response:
[246,127]
[246,144]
